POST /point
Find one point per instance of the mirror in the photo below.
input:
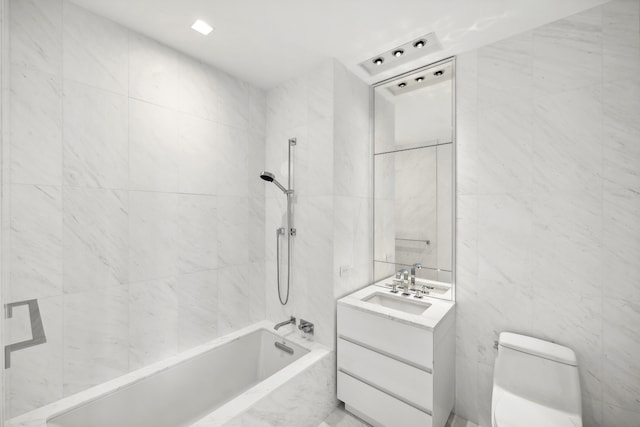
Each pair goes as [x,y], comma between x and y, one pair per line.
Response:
[414,161]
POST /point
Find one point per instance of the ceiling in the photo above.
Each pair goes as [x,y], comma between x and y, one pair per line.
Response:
[266,42]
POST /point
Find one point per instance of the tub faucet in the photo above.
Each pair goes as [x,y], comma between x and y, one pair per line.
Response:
[292,320]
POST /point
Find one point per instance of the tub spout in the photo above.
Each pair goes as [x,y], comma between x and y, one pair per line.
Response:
[292,320]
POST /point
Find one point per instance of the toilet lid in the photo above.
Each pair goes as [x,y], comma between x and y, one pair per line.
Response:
[512,411]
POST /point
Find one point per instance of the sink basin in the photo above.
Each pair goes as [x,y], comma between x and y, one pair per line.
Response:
[399,303]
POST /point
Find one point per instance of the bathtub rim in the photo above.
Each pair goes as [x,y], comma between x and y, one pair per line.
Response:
[41,416]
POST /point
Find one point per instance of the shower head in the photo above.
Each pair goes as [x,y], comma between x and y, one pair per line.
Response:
[269,177]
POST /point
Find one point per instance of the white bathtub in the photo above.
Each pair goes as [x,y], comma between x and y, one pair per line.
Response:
[220,383]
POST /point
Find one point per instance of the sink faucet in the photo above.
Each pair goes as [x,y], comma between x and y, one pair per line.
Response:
[292,320]
[404,274]
[418,266]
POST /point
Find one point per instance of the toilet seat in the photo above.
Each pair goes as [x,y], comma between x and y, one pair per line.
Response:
[514,411]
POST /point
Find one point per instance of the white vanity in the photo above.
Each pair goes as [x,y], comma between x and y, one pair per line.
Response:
[396,357]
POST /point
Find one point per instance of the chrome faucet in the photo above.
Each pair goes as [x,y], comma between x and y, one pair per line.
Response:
[404,274]
[418,266]
[291,320]
[306,327]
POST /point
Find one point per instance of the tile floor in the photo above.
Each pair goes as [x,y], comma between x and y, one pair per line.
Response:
[341,418]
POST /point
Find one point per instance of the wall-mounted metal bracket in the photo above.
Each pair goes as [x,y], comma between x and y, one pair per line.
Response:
[37,330]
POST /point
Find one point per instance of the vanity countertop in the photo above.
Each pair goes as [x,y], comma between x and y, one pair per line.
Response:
[427,320]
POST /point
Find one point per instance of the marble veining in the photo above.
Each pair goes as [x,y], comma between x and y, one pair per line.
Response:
[547,244]
[95,129]
[130,173]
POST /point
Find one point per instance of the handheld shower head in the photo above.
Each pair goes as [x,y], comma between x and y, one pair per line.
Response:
[269,177]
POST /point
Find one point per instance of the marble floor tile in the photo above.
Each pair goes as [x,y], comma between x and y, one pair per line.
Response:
[341,418]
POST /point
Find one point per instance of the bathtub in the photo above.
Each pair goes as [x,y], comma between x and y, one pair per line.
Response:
[251,377]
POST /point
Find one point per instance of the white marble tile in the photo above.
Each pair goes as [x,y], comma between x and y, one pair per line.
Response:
[197,295]
[352,243]
[504,239]
[505,148]
[257,292]
[567,53]
[256,229]
[233,232]
[199,150]
[466,122]
[234,284]
[341,418]
[154,71]
[195,95]
[621,367]
[154,149]
[574,321]
[95,137]
[232,97]
[36,150]
[510,59]
[621,243]
[96,337]
[153,229]
[35,263]
[35,376]
[197,233]
[312,259]
[257,111]
[284,407]
[619,417]
[153,321]
[287,106]
[621,131]
[321,87]
[567,141]
[351,138]
[36,34]
[314,158]
[96,238]
[620,42]
[230,162]
[567,243]
[84,36]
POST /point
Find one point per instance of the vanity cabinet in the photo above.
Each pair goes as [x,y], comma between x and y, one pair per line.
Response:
[395,372]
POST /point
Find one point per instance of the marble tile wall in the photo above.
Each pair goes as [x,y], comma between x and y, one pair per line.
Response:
[548,205]
[136,216]
[327,110]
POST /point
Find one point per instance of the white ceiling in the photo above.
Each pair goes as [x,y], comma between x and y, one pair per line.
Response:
[266,42]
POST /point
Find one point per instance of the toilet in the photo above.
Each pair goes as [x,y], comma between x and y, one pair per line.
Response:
[535,384]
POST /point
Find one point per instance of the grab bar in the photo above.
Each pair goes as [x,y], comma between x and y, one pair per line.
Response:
[284,347]
[37,330]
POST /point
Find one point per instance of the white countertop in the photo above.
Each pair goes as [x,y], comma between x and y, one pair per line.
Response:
[427,320]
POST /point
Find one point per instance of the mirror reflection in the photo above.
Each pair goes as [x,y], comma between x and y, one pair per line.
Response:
[414,160]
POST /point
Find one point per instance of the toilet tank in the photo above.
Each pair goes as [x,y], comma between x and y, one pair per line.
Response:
[538,370]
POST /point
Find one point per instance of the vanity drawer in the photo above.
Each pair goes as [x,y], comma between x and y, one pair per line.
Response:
[409,343]
[397,378]
[379,407]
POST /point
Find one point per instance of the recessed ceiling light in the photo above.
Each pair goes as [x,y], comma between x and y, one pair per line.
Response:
[438,73]
[398,53]
[419,44]
[401,85]
[419,79]
[202,27]
[378,61]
